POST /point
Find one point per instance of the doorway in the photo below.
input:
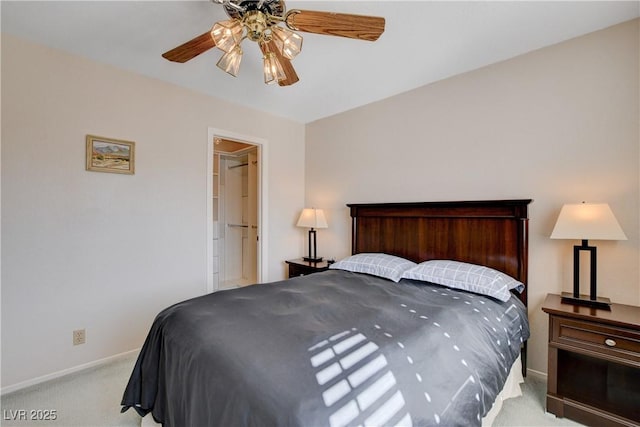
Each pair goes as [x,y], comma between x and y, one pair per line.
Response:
[236,188]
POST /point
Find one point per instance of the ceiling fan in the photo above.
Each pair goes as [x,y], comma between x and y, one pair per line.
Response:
[259,21]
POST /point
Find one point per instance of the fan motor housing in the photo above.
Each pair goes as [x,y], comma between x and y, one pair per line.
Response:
[256,22]
[268,7]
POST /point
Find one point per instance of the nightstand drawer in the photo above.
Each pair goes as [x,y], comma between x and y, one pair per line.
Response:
[299,270]
[616,342]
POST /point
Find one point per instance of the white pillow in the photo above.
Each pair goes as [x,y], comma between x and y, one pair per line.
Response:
[377,264]
[468,277]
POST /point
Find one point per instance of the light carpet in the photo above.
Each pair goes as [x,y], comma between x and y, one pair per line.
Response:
[91,398]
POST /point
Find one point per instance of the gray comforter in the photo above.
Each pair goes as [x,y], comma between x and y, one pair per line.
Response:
[329,349]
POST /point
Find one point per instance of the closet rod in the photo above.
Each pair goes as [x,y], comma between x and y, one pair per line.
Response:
[238,166]
[238,225]
[242,226]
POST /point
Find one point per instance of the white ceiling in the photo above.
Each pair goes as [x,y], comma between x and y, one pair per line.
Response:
[424,41]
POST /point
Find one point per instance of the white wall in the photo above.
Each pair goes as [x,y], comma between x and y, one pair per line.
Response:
[558,125]
[103,251]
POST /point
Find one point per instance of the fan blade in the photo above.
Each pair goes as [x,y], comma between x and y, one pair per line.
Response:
[191,49]
[289,71]
[336,24]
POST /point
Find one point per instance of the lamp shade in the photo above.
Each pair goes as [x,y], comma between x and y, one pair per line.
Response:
[227,34]
[230,61]
[289,43]
[587,221]
[273,71]
[312,218]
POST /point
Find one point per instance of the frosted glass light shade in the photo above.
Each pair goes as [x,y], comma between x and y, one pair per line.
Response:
[312,218]
[230,61]
[587,221]
[288,43]
[273,71]
[227,34]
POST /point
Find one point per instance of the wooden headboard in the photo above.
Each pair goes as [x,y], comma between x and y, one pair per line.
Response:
[492,233]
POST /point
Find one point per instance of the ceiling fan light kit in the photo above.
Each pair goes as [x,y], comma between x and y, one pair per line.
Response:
[259,21]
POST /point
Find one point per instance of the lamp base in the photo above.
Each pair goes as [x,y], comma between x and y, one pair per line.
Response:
[600,302]
[310,259]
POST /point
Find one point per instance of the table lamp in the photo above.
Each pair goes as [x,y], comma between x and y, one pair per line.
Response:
[312,218]
[586,221]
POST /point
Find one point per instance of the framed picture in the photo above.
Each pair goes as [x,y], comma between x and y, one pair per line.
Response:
[110,155]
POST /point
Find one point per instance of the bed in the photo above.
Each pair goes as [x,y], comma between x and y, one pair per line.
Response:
[348,346]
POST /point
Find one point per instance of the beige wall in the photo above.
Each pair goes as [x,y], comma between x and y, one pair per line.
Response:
[102,251]
[558,125]
[106,252]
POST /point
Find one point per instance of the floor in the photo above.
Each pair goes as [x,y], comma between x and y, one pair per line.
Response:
[91,398]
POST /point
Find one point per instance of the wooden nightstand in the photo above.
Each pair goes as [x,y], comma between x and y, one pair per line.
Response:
[594,363]
[300,267]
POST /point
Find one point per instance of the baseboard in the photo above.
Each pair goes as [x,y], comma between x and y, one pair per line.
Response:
[68,371]
[537,374]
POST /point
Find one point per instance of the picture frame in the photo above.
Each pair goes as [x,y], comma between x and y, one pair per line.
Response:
[110,155]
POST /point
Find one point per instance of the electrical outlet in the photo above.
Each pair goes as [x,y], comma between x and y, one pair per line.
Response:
[79,337]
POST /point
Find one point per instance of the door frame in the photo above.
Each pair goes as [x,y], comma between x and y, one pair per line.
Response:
[263,169]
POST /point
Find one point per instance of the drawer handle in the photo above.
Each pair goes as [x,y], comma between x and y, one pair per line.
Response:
[609,342]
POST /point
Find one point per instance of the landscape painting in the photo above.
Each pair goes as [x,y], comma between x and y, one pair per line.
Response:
[110,155]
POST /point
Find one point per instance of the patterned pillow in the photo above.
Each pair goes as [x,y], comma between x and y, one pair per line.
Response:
[468,277]
[377,264]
